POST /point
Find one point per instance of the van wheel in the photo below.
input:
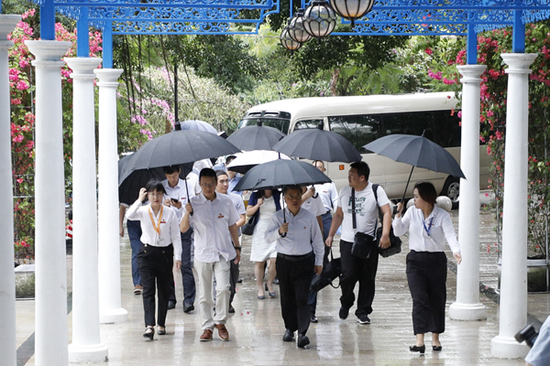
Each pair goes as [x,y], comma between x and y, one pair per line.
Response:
[451,189]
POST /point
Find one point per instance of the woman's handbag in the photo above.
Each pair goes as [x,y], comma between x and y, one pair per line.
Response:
[363,243]
[395,242]
[248,228]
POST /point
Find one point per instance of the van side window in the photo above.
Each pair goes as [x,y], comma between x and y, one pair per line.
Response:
[307,124]
[359,130]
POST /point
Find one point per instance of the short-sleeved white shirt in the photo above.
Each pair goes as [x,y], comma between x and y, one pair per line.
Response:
[329,195]
[238,202]
[211,221]
[314,205]
[366,210]
[179,192]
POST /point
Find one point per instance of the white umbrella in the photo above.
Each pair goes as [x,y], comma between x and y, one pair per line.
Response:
[247,160]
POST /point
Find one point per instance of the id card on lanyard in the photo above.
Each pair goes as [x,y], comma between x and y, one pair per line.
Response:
[159,242]
[429,228]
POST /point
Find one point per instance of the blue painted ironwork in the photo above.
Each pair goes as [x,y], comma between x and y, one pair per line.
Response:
[107,47]
[47,20]
[518,35]
[388,17]
[82,39]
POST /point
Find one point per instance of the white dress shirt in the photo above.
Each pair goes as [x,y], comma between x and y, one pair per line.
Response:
[314,205]
[169,226]
[427,235]
[178,192]
[366,211]
[328,193]
[303,236]
[211,221]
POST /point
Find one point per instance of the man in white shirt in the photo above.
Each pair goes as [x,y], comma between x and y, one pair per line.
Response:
[214,219]
[299,256]
[356,269]
[234,177]
[223,184]
[177,195]
[329,195]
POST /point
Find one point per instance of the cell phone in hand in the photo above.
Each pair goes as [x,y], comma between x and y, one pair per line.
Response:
[174,200]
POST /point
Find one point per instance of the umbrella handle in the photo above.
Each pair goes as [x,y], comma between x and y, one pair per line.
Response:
[406,187]
[187,191]
[283,235]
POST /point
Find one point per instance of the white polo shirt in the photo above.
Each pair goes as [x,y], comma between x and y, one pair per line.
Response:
[329,195]
[179,192]
[211,221]
[314,205]
[169,226]
[366,214]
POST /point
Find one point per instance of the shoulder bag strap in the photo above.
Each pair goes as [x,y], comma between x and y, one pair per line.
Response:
[353,220]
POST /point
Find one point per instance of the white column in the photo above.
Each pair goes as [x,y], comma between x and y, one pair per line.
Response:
[467,305]
[7,278]
[86,345]
[50,256]
[513,289]
[110,309]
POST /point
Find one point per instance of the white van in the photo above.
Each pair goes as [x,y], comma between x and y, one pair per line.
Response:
[362,119]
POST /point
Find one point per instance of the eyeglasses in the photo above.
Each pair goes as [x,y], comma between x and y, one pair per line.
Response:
[223,181]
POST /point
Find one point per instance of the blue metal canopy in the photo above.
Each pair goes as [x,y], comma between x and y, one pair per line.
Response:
[388,17]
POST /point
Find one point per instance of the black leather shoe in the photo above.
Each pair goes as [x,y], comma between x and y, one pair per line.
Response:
[149,333]
[343,313]
[303,341]
[437,348]
[231,309]
[171,305]
[188,308]
[416,348]
[288,336]
[161,331]
[313,319]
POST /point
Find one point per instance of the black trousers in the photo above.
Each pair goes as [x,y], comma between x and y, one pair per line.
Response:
[357,270]
[155,267]
[294,274]
[427,275]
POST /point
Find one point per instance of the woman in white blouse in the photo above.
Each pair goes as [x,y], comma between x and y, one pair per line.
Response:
[428,226]
[160,244]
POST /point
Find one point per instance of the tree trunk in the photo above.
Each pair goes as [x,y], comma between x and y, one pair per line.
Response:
[334,82]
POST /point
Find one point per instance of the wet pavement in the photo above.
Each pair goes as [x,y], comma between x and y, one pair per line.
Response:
[256,328]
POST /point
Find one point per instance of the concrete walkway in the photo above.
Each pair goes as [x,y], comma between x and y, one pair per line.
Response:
[256,328]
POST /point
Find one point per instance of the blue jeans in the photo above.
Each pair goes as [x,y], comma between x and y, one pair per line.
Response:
[188,280]
[134,233]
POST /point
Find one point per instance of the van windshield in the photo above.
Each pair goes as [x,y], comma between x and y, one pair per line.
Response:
[279,123]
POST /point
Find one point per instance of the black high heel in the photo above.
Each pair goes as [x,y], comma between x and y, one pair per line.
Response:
[415,348]
[271,294]
[437,348]
[149,332]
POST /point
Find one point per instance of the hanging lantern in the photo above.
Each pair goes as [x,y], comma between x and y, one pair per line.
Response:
[288,42]
[319,19]
[296,29]
[352,9]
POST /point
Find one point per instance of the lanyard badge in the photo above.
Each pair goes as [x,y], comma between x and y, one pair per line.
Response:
[155,226]
[429,228]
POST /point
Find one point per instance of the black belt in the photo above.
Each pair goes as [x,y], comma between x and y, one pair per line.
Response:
[329,211]
[294,258]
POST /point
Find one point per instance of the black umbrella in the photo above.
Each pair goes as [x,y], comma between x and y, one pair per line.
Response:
[180,147]
[279,173]
[131,181]
[318,144]
[417,151]
[177,148]
[255,137]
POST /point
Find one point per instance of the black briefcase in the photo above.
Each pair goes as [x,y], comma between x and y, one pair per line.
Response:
[331,270]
